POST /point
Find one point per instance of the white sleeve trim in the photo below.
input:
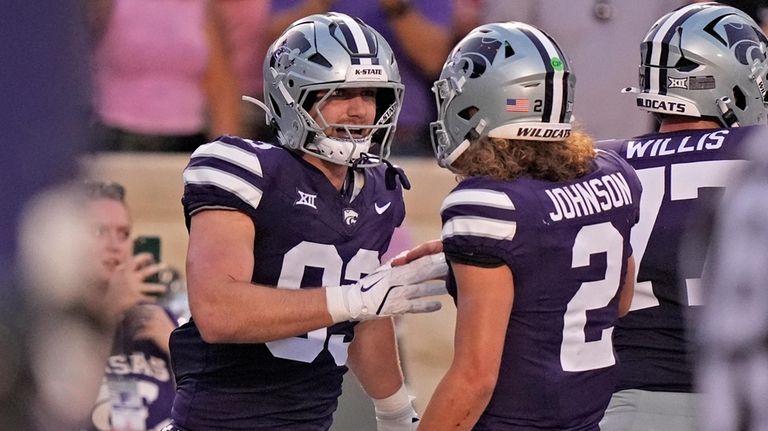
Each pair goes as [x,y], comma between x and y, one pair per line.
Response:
[232,154]
[479,226]
[483,197]
[246,191]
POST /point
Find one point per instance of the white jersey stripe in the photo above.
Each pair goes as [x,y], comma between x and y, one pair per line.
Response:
[249,193]
[232,154]
[483,197]
[479,226]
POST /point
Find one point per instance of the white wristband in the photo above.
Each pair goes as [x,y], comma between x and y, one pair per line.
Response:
[393,403]
[337,307]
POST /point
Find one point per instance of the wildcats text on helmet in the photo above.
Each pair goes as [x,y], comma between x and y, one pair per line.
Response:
[537,132]
[661,105]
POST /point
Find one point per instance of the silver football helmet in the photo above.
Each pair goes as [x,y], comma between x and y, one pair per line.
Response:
[503,80]
[325,53]
[705,60]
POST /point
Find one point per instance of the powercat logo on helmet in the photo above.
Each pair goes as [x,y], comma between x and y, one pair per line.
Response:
[367,72]
[745,41]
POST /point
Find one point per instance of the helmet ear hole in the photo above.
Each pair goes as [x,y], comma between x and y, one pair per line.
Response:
[319,59]
[739,98]
[685,65]
[468,113]
[765,96]
[275,106]
[508,50]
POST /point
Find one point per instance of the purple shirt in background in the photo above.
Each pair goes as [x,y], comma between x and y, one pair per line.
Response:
[419,105]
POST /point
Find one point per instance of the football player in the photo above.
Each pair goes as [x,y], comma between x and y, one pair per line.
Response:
[703,74]
[537,236]
[269,225]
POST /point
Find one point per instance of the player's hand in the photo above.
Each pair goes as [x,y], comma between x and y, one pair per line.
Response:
[424,249]
[390,291]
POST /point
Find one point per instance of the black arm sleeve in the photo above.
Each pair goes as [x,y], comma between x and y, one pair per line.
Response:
[474,259]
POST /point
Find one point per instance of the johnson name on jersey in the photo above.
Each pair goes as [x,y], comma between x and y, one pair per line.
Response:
[308,234]
[567,246]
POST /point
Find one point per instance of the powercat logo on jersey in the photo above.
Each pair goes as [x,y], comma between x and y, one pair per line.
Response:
[367,72]
[350,216]
[537,132]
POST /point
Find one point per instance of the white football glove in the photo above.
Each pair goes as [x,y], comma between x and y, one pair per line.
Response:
[390,291]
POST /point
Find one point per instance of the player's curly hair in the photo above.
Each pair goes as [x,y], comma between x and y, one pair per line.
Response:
[508,159]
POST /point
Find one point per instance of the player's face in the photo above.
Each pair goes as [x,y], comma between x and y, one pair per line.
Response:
[110,236]
[346,106]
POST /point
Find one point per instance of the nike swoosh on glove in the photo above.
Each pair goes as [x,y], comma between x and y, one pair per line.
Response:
[390,291]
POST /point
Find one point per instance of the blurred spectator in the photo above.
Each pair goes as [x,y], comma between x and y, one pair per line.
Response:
[420,34]
[138,388]
[73,243]
[601,38]
[732,329]
[246,23]
[163,78]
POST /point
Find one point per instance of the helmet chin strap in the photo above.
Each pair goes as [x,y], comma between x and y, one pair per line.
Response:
[340,151]
[346,151]
[728,116]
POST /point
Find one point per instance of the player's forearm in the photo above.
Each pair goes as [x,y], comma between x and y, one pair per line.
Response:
[280,20]
[373,358]
[240,312]
[220,84]
[458,402]
[426,44]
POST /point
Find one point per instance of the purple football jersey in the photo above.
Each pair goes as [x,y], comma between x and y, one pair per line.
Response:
[567,244]
[307,235]
[681,172]
[138,388]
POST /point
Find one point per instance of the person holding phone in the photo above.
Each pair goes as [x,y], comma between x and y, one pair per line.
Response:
[138,386]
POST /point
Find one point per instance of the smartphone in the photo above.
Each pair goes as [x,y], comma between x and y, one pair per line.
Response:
[151,245]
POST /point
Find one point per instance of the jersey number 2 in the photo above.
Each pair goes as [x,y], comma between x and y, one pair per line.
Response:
[576,353]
